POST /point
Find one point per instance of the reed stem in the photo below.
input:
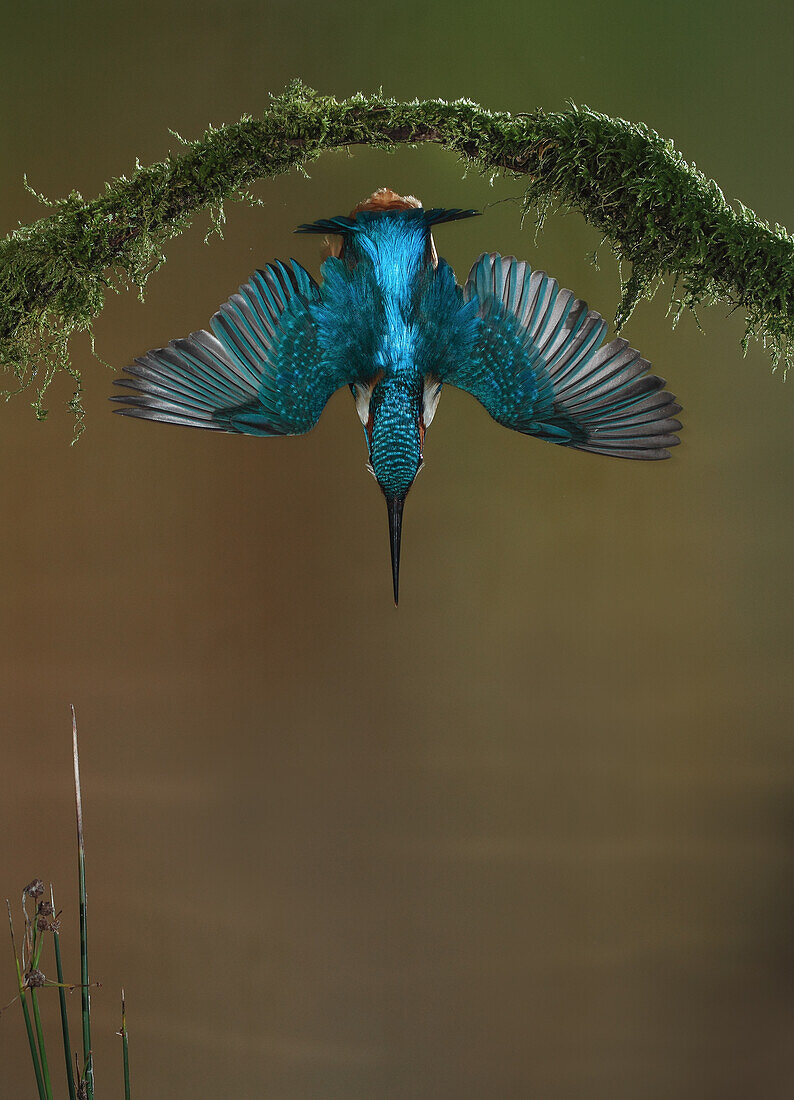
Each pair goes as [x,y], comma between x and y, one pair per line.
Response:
[25,1013]
[85,990]
[67,1042]
[45,1069]
[125,1047]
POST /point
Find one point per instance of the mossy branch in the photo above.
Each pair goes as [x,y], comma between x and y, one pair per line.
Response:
[659,214]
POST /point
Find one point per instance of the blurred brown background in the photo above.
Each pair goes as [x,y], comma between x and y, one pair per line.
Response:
[532,835]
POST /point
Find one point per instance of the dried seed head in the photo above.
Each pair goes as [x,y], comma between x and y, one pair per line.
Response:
[45,909]
[34,979]
[82,1091]
[34,889]
[45,925]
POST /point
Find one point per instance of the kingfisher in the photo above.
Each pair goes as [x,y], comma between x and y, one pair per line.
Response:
[390,320]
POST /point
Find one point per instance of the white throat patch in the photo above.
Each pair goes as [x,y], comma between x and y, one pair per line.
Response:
[430,399]
[362,395]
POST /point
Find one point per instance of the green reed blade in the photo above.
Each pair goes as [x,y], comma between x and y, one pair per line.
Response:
[28,1025]
[45,1069]
[125,1047]
[84,980]
[33,1051]
[67,1042]
[37,947]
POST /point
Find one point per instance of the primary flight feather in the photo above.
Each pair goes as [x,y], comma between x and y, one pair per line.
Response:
[390,321]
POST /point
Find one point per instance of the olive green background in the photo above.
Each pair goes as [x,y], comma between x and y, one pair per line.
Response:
[532,834]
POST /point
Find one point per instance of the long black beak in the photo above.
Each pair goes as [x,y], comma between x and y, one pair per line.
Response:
[395,507]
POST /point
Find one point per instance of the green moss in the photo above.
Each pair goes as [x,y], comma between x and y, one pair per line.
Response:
[660,215]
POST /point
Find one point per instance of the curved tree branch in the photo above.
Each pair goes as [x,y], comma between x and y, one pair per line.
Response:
[658,213]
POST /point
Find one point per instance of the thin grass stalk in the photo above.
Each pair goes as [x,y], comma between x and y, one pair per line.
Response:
[36,945]
[125,1053]
[67,1042]
[45,1069]
[26,1014]
[33,1050]
[85,988]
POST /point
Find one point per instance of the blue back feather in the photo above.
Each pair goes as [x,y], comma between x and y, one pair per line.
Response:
[386,313]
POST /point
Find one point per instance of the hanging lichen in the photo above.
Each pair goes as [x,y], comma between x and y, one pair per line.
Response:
[658,213]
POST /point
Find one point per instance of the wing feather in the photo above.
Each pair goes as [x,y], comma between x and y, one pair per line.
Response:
[538,365]
[259,371]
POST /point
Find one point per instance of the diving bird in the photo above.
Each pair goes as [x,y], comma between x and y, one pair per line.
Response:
[390,321]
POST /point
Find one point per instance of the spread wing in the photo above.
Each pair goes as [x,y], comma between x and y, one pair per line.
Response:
[538,366]
[260,371]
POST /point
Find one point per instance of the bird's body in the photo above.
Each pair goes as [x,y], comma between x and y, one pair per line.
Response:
[390,311]
[390,321]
